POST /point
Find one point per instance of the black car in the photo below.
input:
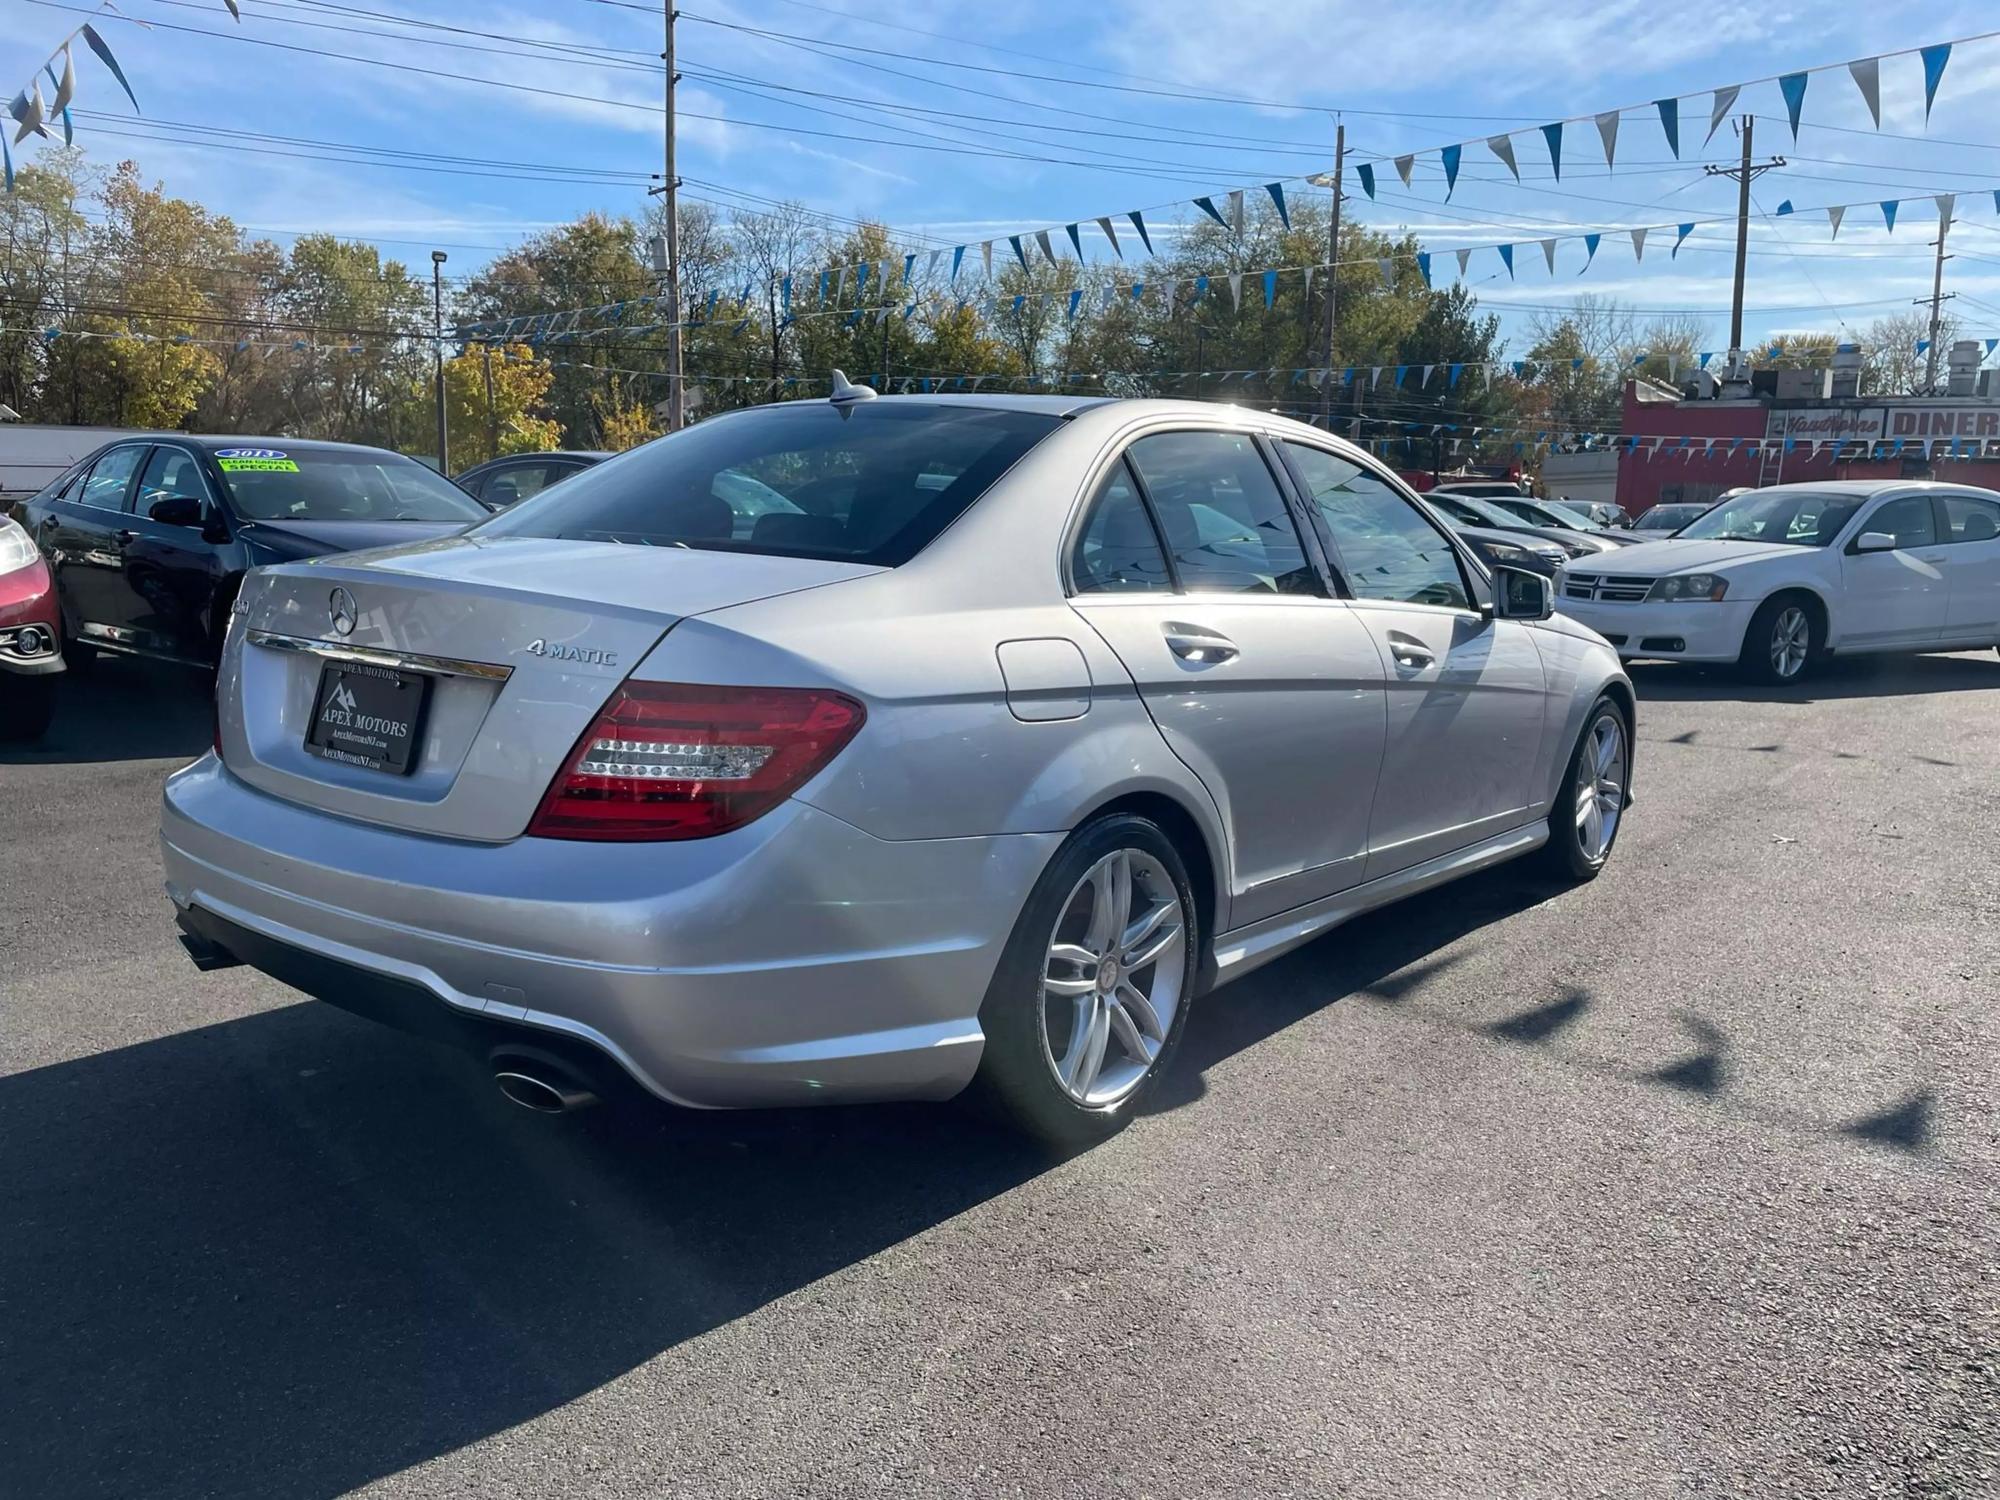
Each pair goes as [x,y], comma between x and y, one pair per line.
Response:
[150,536]
[501,482]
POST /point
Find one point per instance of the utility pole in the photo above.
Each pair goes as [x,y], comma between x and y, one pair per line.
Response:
[1937,299]
[1744,175]
[670,186]
[492,417]
[437,354]
[1332,276]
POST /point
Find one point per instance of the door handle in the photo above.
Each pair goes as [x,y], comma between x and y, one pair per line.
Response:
[1192,643]
[1410,652]
[122,538]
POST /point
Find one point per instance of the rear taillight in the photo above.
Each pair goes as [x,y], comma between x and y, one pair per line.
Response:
[675,761]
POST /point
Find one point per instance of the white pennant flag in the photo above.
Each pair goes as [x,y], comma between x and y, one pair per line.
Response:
[932,264]
[1306,296]
[1673,367]
[1387,267]
[1111,235]
[1868,78]
[1464,258]
[986,258]
[1638,244]
[1167,294]
[1724,99]
[1375,378]
[1607,130]
[1427,377]
[1503,147]
[1549,254]
[839,281]
[1236,211]
[1236,289]
[65,87]
[1042,239]
[1945,202]
[1833,216]
[1403,166]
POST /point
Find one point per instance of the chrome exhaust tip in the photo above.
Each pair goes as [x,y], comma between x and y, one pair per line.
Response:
[546,1093]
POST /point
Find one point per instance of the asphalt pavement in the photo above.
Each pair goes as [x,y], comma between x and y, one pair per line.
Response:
[1684,1183]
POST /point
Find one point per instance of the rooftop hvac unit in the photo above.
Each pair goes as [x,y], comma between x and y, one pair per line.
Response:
[1962,368]
[1846,373]
[1804,385]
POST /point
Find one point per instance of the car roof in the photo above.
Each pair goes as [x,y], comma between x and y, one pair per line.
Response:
[213,441]
[1862,487]
[595,455]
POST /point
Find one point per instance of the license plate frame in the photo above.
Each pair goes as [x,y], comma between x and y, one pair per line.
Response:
[368,716]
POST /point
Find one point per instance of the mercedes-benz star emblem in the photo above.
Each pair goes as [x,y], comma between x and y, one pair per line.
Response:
[341,610]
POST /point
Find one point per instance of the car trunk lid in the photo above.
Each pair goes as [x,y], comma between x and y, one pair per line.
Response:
[486,657]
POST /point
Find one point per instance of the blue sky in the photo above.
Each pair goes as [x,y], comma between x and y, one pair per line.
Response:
[763,116]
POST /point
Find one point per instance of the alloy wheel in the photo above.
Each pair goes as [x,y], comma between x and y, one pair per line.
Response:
[1791,639]
[1112,979]
[1600,787]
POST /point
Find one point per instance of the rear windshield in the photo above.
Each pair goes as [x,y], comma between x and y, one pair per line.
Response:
[332,484]
[873,483]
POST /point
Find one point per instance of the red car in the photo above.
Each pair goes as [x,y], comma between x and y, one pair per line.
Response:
[30,636]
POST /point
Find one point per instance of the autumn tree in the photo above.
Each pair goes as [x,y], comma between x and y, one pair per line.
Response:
[492,397]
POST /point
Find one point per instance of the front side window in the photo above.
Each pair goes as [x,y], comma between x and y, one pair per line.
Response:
[1117,551]
[1387,550]
[1969,518]
[110,483]
[1223,514]
[874,483]
[338,484]
[1909,520]
[1793,518]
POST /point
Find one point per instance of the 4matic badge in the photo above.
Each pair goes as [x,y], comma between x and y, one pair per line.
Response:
[589,656]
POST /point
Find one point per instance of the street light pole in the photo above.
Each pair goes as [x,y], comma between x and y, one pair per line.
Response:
[437,354]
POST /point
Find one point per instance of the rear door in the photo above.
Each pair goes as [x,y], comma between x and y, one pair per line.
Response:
[1467,699]
[85,539]
[1969,529]
[1189,563]
[172,574]
[1899,597]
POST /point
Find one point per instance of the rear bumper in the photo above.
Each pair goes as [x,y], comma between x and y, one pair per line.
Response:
[1666,631]
[797,960]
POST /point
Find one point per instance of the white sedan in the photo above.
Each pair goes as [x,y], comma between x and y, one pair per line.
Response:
[1775,579]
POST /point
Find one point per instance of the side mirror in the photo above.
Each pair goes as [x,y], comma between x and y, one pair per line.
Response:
[176,510]
[1875,541]
[1520,595]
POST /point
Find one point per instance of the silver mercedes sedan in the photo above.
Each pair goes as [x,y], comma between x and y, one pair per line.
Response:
[882,748]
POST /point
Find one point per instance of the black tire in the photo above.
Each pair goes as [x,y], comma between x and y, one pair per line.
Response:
[1565,855]
[27,704]
[1017,1079]
[1758,660]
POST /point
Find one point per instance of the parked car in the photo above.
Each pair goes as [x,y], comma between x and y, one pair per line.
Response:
[1597,514]
[30,637]
[1670,517]
[1470,510]
[1553,515]
[1507,549]
[1478,489]
[149,538]
[1778,578]
[501,482]
[1034,717]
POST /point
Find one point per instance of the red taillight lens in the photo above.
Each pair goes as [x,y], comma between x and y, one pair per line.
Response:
[674,761]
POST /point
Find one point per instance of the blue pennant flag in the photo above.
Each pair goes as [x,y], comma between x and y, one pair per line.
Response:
[1367,175]
[851,319]
[1075,239]
[1138,290]
[785,299]
[1670,121]
[824,278]
[1020,301]
[1424,265]
[1991,344]
[714,296]
[1575,364]
[1685,231]
[1207,206]
[1553,134]
[1793,87]
[1270,287]
[1520,368]
[1590,244]
[7,157]
[1277,192]
[1019,254]
[909,264]
[1706,356]
[1889,214]
[1784,208]
[1401,371]
[1451,155]
[1934,60]
[1075,297]
[1996,200]
[1507,255]
[1140,225]
[957,259]
[1638,360]
[861,279]
[1456,371]
[1200,287]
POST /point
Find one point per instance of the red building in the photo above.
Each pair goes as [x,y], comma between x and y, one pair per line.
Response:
[1675,449]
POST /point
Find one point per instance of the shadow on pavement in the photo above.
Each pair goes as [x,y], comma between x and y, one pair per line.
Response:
[124,709]
[1832,679]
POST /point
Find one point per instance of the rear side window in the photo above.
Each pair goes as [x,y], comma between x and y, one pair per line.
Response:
[109,486]
[1968,518]
[1907,519]
[1117,551]
[1223,515]
[874,483]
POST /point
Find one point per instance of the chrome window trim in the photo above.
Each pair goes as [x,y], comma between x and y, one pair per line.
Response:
[401,661]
